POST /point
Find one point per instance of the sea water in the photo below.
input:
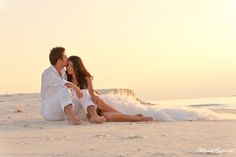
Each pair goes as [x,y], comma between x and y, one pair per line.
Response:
[224,103]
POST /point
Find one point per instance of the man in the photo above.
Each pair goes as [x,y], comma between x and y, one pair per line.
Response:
[56,96]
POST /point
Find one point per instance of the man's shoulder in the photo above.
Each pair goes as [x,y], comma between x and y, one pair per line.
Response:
[48,70]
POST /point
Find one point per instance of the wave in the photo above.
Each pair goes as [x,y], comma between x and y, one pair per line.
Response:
[129,104]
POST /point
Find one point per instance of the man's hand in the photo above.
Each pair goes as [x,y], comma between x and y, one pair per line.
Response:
[76,88]
[79,93]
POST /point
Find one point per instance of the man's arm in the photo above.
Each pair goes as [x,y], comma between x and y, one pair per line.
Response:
[76,88]
[50,79]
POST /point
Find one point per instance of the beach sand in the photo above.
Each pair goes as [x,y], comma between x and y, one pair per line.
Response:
[24,133]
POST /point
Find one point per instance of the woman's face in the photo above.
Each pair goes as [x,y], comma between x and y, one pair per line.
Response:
[70,68]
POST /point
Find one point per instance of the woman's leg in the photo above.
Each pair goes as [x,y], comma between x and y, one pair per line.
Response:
[120,117]
[103,106]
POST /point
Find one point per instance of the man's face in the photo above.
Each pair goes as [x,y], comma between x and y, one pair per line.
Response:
[64,60]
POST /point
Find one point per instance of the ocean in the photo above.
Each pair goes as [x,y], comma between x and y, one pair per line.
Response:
[220,103]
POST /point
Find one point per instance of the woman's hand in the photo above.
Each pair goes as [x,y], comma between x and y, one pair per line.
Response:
[97,92]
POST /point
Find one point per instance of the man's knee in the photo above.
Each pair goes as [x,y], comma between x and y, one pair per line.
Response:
[68,107]
[91,107]
[86,94]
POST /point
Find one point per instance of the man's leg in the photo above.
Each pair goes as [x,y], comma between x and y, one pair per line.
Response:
[70,114]
[66,103]
[90,108]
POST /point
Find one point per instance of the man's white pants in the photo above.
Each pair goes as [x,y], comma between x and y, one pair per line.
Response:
[54,109]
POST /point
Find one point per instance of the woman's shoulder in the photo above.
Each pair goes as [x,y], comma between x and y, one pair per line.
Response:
[89,78]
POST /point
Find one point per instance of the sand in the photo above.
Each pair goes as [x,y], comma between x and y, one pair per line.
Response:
[24,133]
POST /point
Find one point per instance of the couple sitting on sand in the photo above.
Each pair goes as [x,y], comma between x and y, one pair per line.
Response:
[63,92]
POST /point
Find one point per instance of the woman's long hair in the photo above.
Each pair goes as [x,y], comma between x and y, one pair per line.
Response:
[80,72]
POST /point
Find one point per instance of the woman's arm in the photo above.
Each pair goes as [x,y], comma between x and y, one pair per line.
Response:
[90,85]
[103,106]
[91,90]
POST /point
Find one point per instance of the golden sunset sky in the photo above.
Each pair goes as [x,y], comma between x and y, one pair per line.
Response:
[162,49]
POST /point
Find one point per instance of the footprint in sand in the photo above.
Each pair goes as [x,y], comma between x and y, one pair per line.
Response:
[103,135]
[26,125]
[135,137]
[121,156]
[18,110]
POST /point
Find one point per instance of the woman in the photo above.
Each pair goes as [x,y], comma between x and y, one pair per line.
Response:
[78,75]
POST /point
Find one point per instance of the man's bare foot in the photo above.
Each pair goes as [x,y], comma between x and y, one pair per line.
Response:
[74,120]
[97,119]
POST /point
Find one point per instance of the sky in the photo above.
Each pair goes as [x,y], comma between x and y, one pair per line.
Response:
[162,49]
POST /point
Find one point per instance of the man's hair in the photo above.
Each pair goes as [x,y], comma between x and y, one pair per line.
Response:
[56,54]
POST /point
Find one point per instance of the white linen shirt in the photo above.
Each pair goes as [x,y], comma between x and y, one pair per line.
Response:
[51,83]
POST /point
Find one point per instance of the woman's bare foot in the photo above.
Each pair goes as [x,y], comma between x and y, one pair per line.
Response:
[97,119]
[147,119]
[140,115]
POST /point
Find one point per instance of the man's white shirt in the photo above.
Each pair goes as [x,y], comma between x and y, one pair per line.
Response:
[51,83]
